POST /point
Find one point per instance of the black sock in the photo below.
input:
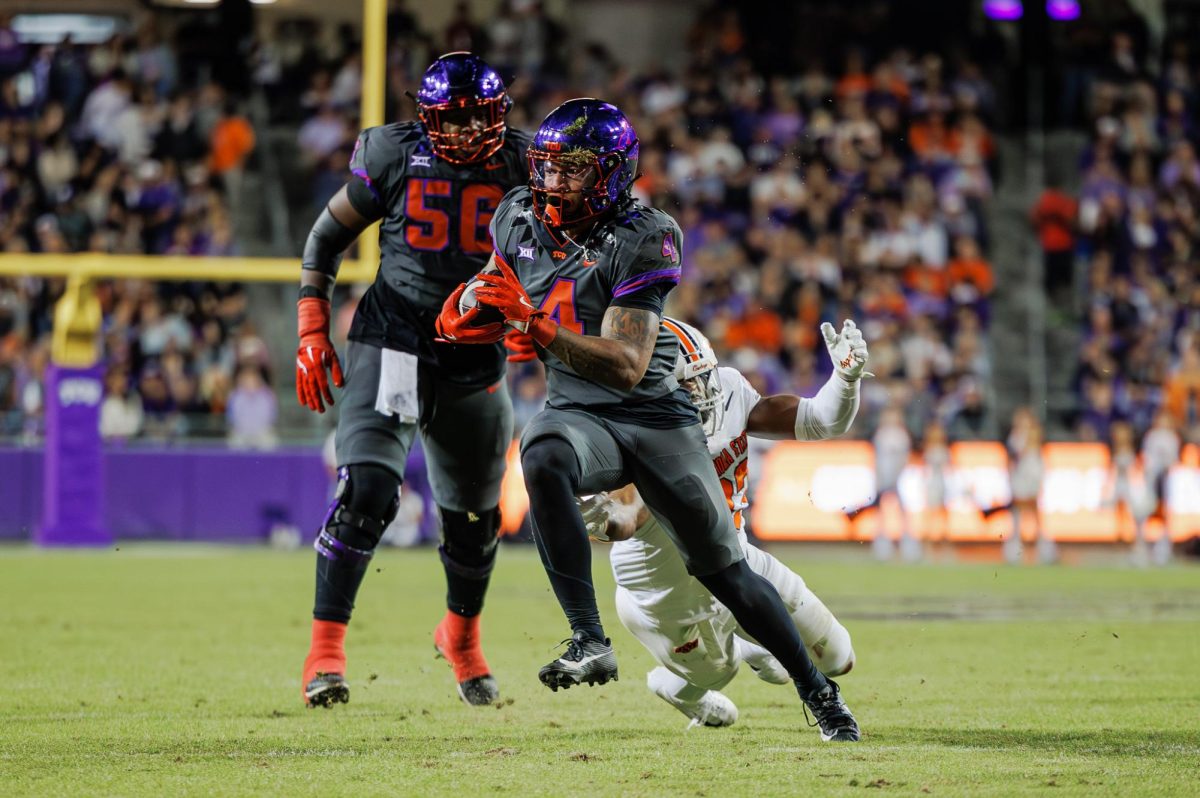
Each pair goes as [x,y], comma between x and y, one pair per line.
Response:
[337,586]
[756,605]
[551,478]
[468,553]
[366,503]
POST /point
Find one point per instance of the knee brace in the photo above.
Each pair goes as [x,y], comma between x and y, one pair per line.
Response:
[469,541]
[367,499]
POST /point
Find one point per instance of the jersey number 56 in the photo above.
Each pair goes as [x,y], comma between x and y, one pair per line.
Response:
[429,216]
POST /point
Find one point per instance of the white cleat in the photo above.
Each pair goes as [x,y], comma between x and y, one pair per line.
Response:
[1139,556]
[711,709]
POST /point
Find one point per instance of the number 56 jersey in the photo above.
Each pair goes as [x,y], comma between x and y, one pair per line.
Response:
[631,260]
[433,236]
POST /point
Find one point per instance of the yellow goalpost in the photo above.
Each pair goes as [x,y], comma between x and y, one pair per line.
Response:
[77,318]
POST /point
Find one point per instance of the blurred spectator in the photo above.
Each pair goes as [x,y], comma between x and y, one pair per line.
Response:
[231,142]
[1025,473]
[1054,219]
[252,411]
[121,409]
[892,446]
[462,33]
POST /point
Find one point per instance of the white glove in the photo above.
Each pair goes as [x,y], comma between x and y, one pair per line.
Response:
[847,350]
[596,511]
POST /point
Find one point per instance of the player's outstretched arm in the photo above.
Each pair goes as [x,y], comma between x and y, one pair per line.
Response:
[316,360]
[831,412]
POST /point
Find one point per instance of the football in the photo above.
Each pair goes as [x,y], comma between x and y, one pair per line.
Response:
[467,301]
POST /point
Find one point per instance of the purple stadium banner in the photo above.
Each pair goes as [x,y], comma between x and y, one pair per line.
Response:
[73,468]
[193,493]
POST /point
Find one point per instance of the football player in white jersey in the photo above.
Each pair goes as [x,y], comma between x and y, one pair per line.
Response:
[695,639]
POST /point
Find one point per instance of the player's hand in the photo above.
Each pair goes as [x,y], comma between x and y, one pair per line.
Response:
[505,293]
[457,328]
[316,355]
[596,511]
[847,350]
[519,346]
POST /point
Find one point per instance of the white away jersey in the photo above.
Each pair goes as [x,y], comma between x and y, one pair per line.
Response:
[728,447]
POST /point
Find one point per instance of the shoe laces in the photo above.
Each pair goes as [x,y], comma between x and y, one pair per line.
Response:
[575,646]
[830,711]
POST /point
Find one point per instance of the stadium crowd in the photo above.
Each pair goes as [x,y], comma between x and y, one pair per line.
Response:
[104,149]
[1127,241]
[855,188]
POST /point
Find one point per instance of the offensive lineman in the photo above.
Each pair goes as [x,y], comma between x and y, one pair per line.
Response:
[435,183]
[695,639]
[584,270]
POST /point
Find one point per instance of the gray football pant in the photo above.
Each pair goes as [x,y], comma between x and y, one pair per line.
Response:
[465,431]
[671,469]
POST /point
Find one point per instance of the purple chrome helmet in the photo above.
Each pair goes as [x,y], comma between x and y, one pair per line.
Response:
[588,142]
[460,88]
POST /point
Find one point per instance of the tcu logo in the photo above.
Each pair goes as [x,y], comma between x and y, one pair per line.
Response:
[79,391]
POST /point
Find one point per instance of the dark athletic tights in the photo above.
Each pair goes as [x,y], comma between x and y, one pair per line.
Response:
[552,479]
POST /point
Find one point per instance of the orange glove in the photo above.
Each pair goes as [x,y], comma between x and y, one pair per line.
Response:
[315,355]
[456,328]
[505,293]
[519,346]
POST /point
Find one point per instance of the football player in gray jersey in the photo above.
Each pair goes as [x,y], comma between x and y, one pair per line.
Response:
[583,270]
[435,184]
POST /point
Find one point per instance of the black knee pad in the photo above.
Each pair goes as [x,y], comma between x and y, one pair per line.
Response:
[550,456]
[469,541]
[367,499]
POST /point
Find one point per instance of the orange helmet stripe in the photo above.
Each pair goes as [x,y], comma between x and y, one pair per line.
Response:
[685,340]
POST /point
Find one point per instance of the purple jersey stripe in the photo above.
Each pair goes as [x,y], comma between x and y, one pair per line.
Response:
[640,281]
[367,179]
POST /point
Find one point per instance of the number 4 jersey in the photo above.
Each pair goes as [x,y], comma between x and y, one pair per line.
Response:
[631,260]
[433,236]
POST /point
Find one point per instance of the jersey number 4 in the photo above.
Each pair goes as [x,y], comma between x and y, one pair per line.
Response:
[428,220]
[559,305]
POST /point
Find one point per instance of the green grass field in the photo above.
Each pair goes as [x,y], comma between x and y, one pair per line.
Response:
[158,670]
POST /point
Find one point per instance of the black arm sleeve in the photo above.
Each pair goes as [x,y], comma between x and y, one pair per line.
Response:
[326,242]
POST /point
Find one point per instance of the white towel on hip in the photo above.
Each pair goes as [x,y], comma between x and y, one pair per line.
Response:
[398,386]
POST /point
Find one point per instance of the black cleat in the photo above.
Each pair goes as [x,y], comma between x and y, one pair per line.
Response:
[326,690]
[832,715]
[480,691]
[587,660]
